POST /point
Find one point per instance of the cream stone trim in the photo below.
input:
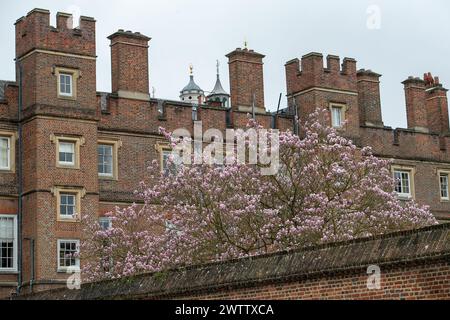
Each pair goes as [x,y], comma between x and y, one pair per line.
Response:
[116,144]
[133,95]
[351,93]
[130,44]
[78,141]
[79,193]
[12,136]
[412,173]
[75,75]
[57,53]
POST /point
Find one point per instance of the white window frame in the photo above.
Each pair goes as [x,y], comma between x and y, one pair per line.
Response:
[68,76]
[8,139]
[15,249]
[108,175]
[77,260]
[410,173]
[74,153]
[447,174]
[75,205]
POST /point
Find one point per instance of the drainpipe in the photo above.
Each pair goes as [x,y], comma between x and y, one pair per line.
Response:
[20,191]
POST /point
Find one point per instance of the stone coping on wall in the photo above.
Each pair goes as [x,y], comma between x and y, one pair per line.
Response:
[400,248]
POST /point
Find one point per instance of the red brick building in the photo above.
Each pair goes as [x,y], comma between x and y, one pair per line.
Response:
[66,148]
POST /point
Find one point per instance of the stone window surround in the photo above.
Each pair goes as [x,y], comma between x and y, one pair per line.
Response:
[79,194]
[116,143]
[75,73]
[78,141]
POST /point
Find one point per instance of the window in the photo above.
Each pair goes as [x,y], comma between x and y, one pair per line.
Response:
[67,153]
[443,185]
[65,84]
[8,243]
[67,205]
[337,116]
[105,223]
[68,254]
[403,183]
[169,162]
[5,153]
[105,160]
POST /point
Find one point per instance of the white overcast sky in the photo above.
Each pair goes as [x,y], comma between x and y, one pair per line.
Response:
[412,39]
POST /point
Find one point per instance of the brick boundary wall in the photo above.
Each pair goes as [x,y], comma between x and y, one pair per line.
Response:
[414,265]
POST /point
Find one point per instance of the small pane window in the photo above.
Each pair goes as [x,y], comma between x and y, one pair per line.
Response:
[67,153]
[7,243]
[5,153]
[105,160]
[67,254]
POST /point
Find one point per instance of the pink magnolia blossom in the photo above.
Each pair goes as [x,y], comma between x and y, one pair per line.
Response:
[326,190]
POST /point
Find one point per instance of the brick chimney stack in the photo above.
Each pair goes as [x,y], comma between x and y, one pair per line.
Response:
[246,80]
[436,105]
[416,110]
[369,98]
[129,65]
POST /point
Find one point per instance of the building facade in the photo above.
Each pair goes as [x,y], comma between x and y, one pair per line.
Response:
[67,150]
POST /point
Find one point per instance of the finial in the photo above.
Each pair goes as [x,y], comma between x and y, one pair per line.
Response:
[191,69]
[245,43]
[218,65]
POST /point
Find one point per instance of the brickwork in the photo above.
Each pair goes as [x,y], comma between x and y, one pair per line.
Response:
[130,119]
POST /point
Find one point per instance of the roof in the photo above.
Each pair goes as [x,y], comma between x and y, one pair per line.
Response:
[218,89]
[191,86]
[396,249]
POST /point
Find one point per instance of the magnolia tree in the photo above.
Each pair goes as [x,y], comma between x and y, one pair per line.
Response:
[326,189]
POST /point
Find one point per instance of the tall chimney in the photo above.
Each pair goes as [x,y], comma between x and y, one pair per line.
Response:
[416,111]
[129,65]
[369,98]
[437,105]
[246,80]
